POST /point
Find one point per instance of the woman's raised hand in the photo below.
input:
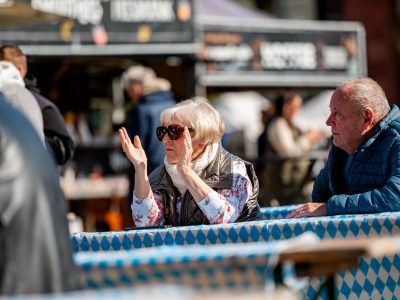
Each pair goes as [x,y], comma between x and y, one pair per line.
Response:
[134,152]
[184,161]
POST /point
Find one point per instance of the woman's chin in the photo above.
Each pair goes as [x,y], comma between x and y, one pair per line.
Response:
[172,160]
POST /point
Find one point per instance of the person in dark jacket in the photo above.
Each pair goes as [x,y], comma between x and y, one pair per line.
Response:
[149,95]
[199,182]
[13,87]
[35,246]
[56,134]
[362,174]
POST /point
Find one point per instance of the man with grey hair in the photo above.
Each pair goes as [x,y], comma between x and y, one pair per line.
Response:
[362,174]
[133,81]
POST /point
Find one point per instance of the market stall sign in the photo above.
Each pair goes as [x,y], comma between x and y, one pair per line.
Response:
[114,22]
[253,55]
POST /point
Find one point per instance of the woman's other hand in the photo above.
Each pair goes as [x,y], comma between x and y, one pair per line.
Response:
[134,152]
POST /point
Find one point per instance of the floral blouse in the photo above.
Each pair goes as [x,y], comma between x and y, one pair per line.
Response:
[219,206]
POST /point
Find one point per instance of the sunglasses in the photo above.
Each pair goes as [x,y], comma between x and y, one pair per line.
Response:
[173,131]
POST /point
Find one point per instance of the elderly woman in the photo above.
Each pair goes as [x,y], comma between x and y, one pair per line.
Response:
[199,181]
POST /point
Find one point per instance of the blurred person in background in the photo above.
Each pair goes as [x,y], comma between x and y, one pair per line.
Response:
[282,149]
[56,134]
[13,87]
[35,246]
[149,96]
[199,182]
[362,174]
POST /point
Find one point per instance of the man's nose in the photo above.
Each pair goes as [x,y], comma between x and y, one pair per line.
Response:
[329,121]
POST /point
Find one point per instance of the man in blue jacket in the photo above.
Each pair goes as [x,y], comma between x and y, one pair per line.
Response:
[362,174]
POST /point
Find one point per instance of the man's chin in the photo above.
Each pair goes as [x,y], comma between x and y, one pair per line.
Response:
[334,142]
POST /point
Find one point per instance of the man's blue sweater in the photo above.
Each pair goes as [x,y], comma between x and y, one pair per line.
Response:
[373,178]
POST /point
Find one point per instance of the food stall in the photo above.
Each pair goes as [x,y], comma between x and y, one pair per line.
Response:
[203,47]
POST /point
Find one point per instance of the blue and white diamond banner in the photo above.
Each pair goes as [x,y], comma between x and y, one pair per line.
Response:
[246,265]
[375,278]
[330,227]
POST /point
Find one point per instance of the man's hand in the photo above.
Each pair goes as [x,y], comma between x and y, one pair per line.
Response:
[309,210]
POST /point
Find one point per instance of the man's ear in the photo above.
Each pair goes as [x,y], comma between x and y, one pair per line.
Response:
[369,116]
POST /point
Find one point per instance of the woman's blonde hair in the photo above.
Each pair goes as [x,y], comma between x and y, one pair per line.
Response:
[196,113]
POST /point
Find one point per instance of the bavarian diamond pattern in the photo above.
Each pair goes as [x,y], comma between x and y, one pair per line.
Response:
[373,279]
[278,212]
[196,266]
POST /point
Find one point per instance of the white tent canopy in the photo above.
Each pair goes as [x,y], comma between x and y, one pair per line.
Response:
[241,112]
